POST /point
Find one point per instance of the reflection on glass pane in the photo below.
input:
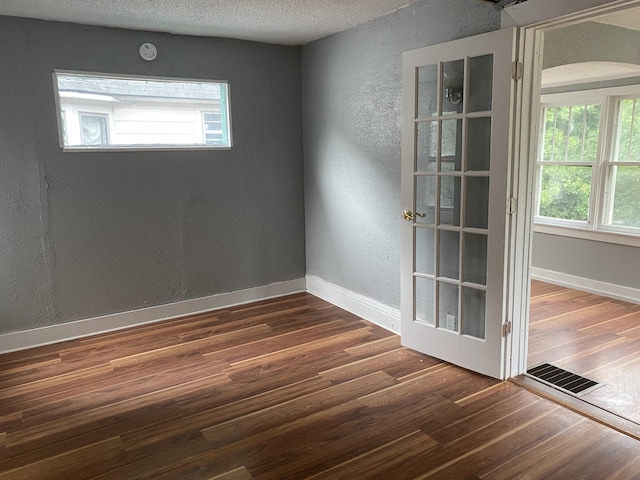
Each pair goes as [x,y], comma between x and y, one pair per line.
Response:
[426,146]
[477,202]
[425,250]
[479,144]
[629,131]
[427,91]
[479,96]
[475,258]
[425,304]
[451,138]
[474,304]
[94,129]
[453,79]
[449,259]
[425,199]
[448,306]
[571,133]
[448,164]
[565,192]
[450,200]
[625,185]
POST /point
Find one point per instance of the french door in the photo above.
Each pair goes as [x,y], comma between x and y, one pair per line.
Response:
[455,191]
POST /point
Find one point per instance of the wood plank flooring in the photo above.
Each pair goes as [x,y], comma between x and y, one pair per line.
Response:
[593,336]
[290,388]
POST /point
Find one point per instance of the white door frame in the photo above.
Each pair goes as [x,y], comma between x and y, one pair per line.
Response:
[534,16]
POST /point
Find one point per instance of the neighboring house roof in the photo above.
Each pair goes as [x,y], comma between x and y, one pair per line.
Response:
[138,88]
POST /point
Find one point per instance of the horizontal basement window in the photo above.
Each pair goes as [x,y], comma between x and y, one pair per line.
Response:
[98,111]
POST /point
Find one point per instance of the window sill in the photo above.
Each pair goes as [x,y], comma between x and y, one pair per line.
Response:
[594,235]
[146,148]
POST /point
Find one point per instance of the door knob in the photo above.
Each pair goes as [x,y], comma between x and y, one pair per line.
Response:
[407,215]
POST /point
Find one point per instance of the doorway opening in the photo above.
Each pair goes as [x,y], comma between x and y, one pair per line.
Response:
[584,306]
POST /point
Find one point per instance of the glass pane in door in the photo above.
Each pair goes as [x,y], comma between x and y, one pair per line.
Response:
[427,91]
[425,208]
[449,200]
[425,250]
[424,300]
[475,259]
[453,83]
[448,306]
[451,142]
[477,202]
[426,146]
[479,144]
[479,97]
[449,258]
[474,303]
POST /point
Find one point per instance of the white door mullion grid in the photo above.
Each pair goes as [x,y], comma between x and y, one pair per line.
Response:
[481,348]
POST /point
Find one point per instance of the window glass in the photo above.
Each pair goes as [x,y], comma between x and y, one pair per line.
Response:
[589,163]
[628,131]
[569,149]
[623,172]
[571,133]
[565,192]
[115,111]
[625,204]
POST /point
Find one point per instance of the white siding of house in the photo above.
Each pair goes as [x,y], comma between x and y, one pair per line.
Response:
[147,123]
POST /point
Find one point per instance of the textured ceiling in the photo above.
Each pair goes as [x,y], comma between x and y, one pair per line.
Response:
[294,22]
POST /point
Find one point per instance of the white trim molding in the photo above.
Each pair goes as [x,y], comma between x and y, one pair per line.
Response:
[603,236]
[534,12]
[21,340]
[365,307]
[620,292]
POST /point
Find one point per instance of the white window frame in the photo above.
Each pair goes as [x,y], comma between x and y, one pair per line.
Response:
[593,228]
[63,124]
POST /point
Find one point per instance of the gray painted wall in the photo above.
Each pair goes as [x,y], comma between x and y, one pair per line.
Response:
[88,234]
[591,42]
[604,262]
[351,85]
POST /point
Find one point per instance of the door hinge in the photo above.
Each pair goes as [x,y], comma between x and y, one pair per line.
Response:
[512,206]
[516,70]
[506,328]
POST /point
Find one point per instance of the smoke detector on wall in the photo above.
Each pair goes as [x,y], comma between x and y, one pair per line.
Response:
[148,51]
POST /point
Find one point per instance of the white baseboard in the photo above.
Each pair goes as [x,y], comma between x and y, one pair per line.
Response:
[82,328]
[365,307]
[619,292]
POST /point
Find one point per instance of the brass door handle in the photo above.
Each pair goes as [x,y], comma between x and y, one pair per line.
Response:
[408,215]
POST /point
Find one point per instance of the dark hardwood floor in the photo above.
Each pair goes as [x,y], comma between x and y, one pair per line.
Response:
[290,388]
[591,335]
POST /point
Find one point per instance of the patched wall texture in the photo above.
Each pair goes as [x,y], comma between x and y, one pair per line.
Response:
[88,234]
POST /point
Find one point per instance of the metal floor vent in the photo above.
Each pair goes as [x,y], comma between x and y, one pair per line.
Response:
[562,379]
